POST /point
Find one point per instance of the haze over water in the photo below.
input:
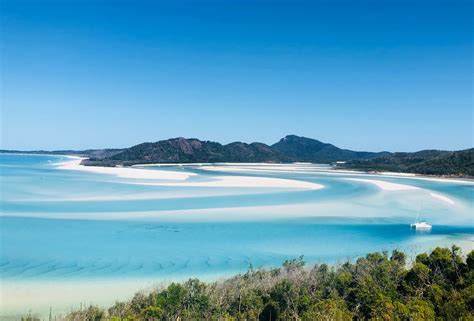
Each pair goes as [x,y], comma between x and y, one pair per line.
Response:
[63,227]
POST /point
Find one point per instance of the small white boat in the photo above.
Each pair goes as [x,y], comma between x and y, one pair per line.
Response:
[420,225]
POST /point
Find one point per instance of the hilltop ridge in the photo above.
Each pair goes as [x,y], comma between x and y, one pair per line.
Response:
[291,148]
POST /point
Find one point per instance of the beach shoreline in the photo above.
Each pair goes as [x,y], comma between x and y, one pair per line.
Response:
[39,298]
[330,168]
[169,178]
[437,178]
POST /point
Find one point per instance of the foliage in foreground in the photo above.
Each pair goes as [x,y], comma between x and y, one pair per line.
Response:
[438,286]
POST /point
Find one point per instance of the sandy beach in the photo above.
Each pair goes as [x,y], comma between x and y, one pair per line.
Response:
[386,186]
[17,298]
[63,296]
[161,177]
[124,172]
[155,177]
[443,198]
[242,181]
[194,199]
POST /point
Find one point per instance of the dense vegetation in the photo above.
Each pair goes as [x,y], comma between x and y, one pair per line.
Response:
[289,149]
[95,153]
[180,150]
[438,286]
[302,149]
[429,162]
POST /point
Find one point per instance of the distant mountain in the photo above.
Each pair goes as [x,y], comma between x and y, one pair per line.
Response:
[428,162]
[96,153]
[182,150]
[311,150]
[291,148]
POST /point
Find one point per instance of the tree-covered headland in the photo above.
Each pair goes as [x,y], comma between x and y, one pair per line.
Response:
[379,286]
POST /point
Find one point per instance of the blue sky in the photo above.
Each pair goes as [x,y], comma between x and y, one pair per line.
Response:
[366,75]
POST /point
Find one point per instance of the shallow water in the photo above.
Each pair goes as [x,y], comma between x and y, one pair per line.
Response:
[65,249]
[60,225]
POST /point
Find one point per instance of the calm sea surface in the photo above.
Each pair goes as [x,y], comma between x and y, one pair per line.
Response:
[59,224]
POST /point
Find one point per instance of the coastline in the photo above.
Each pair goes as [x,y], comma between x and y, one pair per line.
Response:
[102,292]
[163,178]
[328,166]
[136,173]
[386,186]
[123,172]
[60,296]
[437,178]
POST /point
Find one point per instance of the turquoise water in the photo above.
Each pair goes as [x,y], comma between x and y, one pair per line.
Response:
[39,248]
[62,224]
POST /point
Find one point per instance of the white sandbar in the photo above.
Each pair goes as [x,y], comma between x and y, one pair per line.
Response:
[241,181]
[387,186]
[125,172]
[218,181]
[442,198]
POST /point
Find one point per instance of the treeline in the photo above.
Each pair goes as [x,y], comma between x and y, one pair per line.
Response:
[95,153]
[181,150]
[429,162]
[437,286]
[289,149]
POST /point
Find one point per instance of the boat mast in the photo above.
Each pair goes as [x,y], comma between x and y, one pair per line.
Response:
[419,211]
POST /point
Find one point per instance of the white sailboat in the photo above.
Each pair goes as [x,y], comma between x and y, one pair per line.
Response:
[420,225]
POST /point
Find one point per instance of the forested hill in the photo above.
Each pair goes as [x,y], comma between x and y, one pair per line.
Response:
[303,149]
[96,153]
[289,149]
[428,162]
[181,150]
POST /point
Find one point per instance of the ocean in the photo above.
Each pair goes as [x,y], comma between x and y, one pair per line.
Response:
[64,225]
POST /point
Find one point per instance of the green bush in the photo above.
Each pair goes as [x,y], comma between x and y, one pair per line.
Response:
[437,286]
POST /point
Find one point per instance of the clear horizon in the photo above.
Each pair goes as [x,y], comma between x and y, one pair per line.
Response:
[223,143]
[368,75]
